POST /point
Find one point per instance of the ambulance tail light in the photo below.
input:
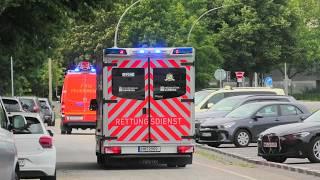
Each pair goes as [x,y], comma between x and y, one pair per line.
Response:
[112,150]
[185,149]
[46,142]
[116,51]
[182,51]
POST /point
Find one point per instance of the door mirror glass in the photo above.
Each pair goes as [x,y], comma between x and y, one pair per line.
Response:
[257,117]
[19,122]
[93,105]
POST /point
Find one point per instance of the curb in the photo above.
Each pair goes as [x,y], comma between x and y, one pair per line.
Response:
[263,163]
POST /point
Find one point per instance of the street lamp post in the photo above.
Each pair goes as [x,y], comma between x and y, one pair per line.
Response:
[117,28]
[205,13]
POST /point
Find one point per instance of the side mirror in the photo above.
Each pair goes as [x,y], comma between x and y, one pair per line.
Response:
[50,132]
[302,118]
[210,105]
[256,117]
[18,122]
[93,105]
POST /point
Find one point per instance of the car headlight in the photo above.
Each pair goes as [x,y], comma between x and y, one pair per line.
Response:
[296,136]
[227,125]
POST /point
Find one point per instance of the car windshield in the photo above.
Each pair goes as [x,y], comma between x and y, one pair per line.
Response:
[227,104]
[315,117]
[27,104]
[200,95]
[11,105]
[244,111]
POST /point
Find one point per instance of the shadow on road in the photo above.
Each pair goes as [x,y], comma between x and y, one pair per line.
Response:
[92,166]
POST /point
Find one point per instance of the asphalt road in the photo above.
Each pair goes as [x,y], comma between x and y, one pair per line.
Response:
[76,161]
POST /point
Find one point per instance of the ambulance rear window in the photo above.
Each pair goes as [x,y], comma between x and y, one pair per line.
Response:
[128,83]
[169,82]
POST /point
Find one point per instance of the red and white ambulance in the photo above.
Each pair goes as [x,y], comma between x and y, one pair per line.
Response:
[79,87]
[145,105]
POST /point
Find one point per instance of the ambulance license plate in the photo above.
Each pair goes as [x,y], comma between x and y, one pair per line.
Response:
[149,149]
[270,144]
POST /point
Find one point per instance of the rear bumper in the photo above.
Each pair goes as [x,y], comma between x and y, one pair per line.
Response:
[91,125]
[159,158]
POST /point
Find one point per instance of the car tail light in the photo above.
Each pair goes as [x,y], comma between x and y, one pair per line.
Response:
[36,109]
[46,141]
[185,149]
[112,150]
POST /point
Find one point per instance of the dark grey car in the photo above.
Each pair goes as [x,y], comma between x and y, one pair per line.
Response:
[225,106]
[46,108]
[298,140]
[243,125]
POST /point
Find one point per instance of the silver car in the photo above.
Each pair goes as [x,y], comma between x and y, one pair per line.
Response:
[9,166]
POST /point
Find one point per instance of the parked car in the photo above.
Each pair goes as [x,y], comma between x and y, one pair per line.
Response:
[9,164]
[243,125]
[46,107]
[206,98]
[298,140]
[31,104]
[12,104]
[36,152]
[226,105]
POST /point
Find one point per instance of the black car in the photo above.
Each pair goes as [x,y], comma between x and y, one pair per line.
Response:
[226,105]
[243,125]
[298,140]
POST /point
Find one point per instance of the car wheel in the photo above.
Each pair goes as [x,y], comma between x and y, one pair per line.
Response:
[16,175]
[276,159]
[214,144]
[314,150]
[242,138]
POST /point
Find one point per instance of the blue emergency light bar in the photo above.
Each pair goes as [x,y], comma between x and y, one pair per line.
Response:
[185,50]
[116,51]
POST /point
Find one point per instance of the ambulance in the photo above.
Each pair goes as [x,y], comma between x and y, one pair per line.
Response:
[145,105]
[79,87]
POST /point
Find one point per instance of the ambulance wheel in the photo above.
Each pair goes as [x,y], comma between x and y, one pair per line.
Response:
[171,165]
[69,130]
[63,132]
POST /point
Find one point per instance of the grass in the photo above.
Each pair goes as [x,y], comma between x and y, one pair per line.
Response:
[223,159]
[308,94]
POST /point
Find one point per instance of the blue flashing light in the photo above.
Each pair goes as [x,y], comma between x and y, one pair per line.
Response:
[93,70]
[77,69]
[141,51]
[186,50]
[157,51]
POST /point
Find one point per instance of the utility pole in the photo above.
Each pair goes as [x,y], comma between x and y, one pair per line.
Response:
[285,79]
[12,86]
[50,79]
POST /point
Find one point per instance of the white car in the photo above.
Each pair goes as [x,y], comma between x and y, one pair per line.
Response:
[36,152]
[9,167]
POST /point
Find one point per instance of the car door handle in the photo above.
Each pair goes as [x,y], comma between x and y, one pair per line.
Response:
[277,120]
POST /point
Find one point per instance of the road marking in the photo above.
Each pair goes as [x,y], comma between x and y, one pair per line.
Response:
[226,171]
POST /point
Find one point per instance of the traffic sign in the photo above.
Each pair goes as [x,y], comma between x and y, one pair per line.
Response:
[268,81]
[220,74]
[239,75]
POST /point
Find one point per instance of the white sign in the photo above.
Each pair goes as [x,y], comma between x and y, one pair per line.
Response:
[220,74]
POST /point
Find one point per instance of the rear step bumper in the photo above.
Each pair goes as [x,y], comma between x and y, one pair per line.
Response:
[159,158]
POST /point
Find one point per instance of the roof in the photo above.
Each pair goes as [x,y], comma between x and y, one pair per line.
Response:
[28,114]
[11,98]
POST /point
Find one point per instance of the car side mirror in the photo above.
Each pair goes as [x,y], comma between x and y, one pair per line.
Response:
[210,105]
[257,117]
[93,105]
[50,132]
[302,118]
[18,122]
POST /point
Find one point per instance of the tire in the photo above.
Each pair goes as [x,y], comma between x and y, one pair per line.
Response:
[279,159]
[214,144]
[100,160]
[242,138]
[63,132]
[49,177]
[182,165]
[69,131]
[16,174]
[171,165]
[313,150]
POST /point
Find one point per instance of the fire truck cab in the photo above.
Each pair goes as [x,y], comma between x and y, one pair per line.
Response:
[79,87]
[145,105]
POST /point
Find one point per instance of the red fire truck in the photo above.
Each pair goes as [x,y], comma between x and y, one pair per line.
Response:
[145,105]
[79,88]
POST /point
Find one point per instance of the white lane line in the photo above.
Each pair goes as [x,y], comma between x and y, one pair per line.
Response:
[226,171]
